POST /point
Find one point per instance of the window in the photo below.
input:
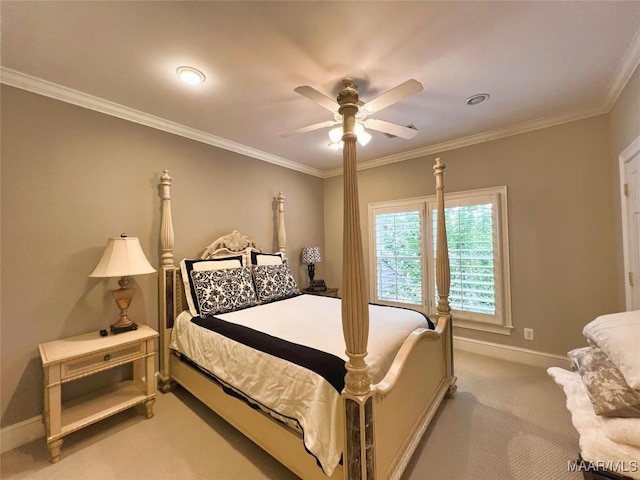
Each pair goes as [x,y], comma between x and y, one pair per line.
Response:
[402,231]
[398,246]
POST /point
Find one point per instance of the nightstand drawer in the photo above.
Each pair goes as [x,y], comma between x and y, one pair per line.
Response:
[90,363]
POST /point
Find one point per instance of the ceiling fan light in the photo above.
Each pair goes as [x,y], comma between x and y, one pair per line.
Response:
[335,134]
[363,137]
[335,145]
[190,75]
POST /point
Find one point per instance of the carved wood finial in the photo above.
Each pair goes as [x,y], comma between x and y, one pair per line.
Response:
[349,93]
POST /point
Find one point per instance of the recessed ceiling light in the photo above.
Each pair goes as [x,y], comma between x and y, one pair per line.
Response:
[477,99]
[190,75]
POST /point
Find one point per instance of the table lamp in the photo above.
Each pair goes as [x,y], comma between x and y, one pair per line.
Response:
[311,256]
[123,257]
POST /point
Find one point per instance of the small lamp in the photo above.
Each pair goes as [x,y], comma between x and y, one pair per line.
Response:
[122,257]
[311,256]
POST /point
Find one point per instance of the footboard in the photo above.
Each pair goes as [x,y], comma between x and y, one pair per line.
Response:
[408,397]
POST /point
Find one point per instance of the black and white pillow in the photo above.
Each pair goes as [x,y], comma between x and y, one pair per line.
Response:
[189,265]
[274,282]
[222,291]
[261,258]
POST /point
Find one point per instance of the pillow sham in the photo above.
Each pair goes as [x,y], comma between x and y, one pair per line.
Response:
[618,336]
[223,290]
[610,395]
[189,265]
[260,258]
[274,282]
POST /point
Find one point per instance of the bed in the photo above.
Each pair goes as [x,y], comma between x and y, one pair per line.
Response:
[603,395]
[380,398]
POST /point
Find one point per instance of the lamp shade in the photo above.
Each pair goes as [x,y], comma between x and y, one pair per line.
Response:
[122,257]
[311,255]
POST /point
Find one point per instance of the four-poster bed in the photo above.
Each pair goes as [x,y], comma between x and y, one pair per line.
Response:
[380,412]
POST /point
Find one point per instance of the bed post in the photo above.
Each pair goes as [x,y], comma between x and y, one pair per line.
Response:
[443,276]
[167,283]
[281,232]
[358,400]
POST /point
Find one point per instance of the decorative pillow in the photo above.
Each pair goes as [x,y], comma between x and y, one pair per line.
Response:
[610,395]
[225,290]
[187,266]
[274,282]
[259,258]
[618,336]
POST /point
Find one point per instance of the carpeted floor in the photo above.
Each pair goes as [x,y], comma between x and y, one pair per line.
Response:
[507,422]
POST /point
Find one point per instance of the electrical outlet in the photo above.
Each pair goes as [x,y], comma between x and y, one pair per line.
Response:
[528,333]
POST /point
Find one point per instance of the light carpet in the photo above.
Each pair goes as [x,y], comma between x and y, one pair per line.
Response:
[507,422]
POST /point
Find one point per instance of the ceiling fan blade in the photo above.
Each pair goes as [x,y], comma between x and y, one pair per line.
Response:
[390,128]
[321,99]
[309,128]
[402,91]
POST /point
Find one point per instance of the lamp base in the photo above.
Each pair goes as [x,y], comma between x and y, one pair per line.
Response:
[124,328]
[311,268]
[123,297]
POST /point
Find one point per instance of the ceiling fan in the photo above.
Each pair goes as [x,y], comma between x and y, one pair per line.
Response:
[388,98]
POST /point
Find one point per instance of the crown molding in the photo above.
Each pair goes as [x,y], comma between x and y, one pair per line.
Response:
[487,136]
[32,84]
[624,72]
[42,87]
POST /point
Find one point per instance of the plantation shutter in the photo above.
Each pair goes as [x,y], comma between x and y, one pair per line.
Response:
[402,251]
[398,241]
[472,237]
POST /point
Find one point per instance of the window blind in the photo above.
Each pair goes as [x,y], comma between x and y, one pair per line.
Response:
[398,241]
[470,238]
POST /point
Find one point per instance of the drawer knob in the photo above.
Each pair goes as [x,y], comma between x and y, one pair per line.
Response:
[107,357]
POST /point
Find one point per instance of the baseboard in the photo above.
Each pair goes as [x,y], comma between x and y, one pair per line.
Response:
[511,354]
[21,433]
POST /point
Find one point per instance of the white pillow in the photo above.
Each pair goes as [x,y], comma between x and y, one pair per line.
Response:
[259,258]
[618,335]
[207,265]
[199,265]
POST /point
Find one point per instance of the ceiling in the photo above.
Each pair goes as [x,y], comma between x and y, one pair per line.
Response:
[542,63]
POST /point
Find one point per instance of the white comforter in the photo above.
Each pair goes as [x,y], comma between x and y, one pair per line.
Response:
[610,443]
[286,388]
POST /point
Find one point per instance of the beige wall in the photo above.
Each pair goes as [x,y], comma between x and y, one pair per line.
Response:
[71,178]
[625,115]
[561,219]
[624,129]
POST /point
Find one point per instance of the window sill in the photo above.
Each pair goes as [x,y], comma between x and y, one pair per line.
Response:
[484,327]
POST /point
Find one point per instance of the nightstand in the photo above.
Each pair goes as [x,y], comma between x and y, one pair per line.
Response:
[329,292]
[72,358]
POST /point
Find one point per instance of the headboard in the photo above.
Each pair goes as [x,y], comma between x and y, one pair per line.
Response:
[171,290]
[234,242]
